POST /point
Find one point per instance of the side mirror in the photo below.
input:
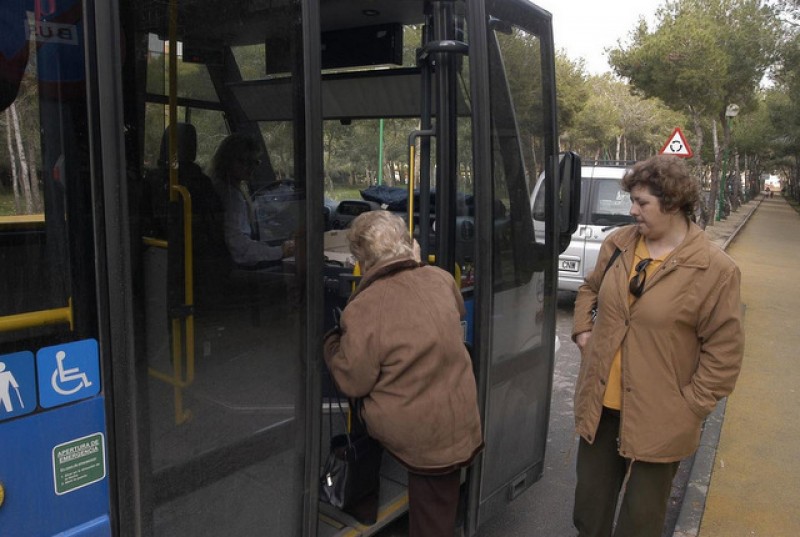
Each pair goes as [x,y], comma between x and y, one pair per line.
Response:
[569,197]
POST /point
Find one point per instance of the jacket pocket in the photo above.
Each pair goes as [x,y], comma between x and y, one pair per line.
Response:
[688,406]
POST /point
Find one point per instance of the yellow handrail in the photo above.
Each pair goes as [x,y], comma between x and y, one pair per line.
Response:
[22,220]
[32,319]
[156,243]
[177,379]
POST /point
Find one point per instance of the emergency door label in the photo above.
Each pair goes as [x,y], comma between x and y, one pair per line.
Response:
[79,463]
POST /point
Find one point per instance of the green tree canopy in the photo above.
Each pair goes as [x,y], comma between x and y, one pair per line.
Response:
[703,54]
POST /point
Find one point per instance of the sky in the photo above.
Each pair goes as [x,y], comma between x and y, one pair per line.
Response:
[585,28]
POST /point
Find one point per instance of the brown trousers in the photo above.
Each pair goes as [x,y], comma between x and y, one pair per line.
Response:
[432,504]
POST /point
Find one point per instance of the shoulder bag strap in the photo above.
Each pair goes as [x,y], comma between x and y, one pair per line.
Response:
[614,256]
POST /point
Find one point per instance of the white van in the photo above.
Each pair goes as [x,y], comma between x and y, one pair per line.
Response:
[604,207]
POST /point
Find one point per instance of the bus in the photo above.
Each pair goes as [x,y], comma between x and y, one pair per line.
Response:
[151,382]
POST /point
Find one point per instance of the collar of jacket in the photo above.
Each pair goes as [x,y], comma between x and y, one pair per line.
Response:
[692,252]
[383,269]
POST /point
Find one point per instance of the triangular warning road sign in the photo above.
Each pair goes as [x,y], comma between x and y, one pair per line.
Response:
[676,145]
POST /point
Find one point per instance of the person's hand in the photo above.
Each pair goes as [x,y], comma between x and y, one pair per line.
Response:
[582,339]
[288,248]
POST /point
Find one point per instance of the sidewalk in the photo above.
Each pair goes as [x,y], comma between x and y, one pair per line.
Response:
[724,231]
[744,479]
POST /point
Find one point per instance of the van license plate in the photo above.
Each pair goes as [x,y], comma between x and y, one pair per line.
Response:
[569,265]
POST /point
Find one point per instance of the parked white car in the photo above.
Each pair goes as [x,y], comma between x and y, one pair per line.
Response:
[604,207]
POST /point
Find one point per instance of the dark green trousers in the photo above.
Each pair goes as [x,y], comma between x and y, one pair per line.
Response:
[601,473]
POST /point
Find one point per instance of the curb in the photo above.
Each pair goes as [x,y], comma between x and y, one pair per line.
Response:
[741,225]
[694,499]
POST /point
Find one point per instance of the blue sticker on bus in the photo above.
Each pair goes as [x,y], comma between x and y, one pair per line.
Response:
[17,384]
[68,372]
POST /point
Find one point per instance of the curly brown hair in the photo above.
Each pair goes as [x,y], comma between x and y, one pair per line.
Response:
[667,178]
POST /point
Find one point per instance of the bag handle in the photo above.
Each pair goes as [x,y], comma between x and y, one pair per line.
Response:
[347,426]
[613,258]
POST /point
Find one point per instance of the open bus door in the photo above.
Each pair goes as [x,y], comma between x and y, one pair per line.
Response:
[516,342]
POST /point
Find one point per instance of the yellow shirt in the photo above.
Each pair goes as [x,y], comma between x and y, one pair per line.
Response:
[613,395]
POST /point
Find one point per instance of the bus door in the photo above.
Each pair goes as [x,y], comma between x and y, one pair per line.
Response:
[516,333]
[54,433]
[219,384]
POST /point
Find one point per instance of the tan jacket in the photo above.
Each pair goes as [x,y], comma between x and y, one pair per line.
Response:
[682,343]
[401,348]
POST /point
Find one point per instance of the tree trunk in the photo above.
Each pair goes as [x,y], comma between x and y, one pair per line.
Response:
[737,177]
[34,178]
[389,173]
[24,178]
[12,161]
[536,171]
[705,212]
[714,197]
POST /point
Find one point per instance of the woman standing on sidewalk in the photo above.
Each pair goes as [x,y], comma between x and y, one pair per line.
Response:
[665,345]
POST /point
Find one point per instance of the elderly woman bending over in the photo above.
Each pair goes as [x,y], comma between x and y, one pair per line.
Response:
[400,347]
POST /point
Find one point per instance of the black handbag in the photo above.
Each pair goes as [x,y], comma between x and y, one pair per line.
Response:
[351,476]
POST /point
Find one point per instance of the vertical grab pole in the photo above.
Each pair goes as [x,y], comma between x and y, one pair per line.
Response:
[442,49]
[173,99]
[172,109]
[412,140]
[411,173]
[181,340]
[426,98]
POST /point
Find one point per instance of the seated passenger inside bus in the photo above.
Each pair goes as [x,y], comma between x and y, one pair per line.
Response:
[231,170]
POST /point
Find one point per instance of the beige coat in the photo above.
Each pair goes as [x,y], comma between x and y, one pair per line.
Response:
[682,343]
[401,348]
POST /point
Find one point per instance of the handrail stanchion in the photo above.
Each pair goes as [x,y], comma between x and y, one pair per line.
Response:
[33,319]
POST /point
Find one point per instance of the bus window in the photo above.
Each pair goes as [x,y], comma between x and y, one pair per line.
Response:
[194,78]
[518,145]
[42,171]
[252,60]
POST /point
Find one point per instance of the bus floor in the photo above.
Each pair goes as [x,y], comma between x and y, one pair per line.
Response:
[393,502]
[246,383]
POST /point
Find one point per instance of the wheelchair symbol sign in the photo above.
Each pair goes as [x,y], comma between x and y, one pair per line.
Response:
[68,372]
